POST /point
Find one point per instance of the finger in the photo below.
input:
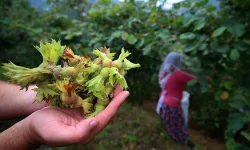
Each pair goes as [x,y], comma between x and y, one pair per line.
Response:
[117,90]
[75,134]
[84,128]
[105,116]
[115,103]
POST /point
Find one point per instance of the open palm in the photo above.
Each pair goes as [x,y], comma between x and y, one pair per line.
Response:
[57,127]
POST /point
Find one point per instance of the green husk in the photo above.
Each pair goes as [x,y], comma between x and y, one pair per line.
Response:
[78,82]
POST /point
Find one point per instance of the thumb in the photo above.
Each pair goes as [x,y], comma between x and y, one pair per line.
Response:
[85,127]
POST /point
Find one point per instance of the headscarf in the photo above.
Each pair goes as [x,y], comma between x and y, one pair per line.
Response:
[173,59]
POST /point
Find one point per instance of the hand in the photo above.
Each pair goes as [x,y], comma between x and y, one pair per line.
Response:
[172,69]
[57,127]
[17,103]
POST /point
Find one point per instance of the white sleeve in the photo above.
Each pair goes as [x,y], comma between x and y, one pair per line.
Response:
[160,102]
[185,106]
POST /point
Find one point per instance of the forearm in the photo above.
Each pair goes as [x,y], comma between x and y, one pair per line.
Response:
[17,103]
[16,137]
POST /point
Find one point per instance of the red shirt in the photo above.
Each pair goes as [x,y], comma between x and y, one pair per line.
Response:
[175,87]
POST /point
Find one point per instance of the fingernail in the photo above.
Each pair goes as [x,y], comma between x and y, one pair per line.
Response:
[127,93]
[93,124]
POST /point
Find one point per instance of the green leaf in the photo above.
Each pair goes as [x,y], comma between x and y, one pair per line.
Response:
[176,5]
[51,52]
[24,76]
[110,39]
[199,25]
[216,125]
[132,39]
[237,30]
[203,80]
[191,47]
[69,37]
[116,34]
[78,33]
[113,72]
[192,82]
[237,103]
[214,46]
[210,8]
[93,13]
[164,34]
[234,55]
[186,4]
[188,19]
[203,46]
[240,46]
[147,49]
[205,52]
[203,38]
[235,121]
[228,85]
[246,135]
[125,36]
[129,65]
[132,21]
[187,36]
[44,91]
[201,3]
[2,77]
[140,44]
[219,31]
[105,2]
[222,49]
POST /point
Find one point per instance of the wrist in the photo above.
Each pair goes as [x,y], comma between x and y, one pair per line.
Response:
[26,133]
[29,134]
[18,137]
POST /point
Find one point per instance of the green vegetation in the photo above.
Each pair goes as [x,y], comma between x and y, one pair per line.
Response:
[214,42]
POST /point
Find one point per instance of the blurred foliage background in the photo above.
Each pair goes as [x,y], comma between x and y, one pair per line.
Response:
[214,40]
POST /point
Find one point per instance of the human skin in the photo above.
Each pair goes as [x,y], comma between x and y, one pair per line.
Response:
[17,103]
[59,127]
